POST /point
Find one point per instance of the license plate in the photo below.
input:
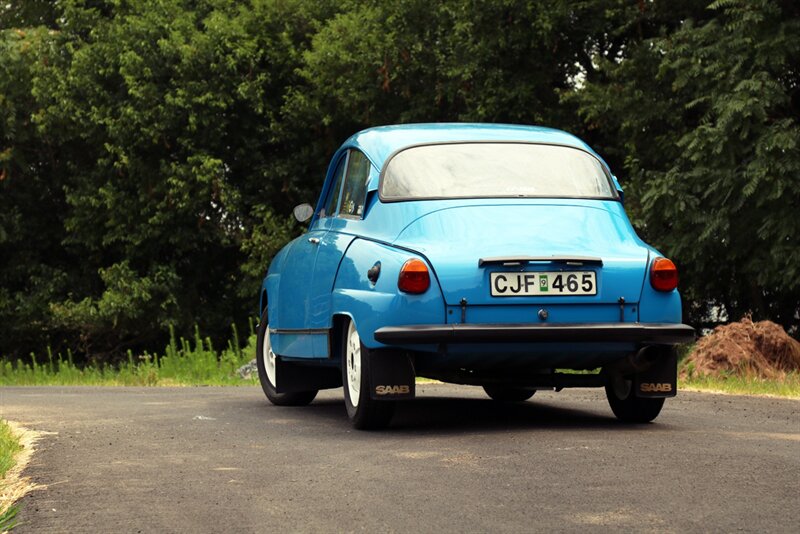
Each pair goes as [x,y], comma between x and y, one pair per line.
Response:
[543,284]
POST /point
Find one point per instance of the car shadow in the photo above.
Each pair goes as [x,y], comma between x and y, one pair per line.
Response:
[442,415]
[448,413]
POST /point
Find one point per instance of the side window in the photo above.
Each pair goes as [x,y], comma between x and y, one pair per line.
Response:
[355,185]
[329,209]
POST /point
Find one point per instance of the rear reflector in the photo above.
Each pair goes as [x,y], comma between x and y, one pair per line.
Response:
[414,277]
[663,275]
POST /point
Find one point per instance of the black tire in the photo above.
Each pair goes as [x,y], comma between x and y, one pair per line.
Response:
[365,413]
[628,407]
[299,398]
[508,393]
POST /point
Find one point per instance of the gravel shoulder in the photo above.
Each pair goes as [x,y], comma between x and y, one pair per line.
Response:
[223,459]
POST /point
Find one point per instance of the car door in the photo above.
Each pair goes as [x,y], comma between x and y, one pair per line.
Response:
[340,234]
[292,334]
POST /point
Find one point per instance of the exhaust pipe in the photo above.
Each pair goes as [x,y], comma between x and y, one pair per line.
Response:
[641,361]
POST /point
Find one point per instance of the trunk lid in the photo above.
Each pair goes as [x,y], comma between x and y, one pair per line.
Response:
[455,239]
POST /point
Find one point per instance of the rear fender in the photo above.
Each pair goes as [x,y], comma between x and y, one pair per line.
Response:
[372,305]
[658,306]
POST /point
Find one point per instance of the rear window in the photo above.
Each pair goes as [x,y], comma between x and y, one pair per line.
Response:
[486,170]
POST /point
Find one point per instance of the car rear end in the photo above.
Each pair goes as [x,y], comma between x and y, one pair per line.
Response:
[538,266]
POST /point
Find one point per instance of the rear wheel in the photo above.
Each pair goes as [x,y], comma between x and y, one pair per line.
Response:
[266,361]
[508,394]
[364,412]
[627,406]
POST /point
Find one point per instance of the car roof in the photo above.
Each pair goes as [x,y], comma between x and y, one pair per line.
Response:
[381,142]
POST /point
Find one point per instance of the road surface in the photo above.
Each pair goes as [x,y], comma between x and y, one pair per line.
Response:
[224,460]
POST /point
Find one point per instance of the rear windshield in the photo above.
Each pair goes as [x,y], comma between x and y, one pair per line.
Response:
[486,170]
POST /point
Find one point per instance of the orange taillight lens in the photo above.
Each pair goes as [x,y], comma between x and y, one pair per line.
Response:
[414,277]
[663,275]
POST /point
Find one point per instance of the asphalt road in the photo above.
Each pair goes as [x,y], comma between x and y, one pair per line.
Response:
[224,460]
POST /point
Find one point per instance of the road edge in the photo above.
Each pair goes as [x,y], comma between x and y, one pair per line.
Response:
[15,486]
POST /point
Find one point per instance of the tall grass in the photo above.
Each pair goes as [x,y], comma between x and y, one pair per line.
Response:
[184,362]
[195,361]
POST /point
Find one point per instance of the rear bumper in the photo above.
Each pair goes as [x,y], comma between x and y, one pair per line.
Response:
[644,334]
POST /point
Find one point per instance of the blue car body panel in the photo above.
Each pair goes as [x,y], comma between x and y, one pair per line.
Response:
[374,305]
[451,237]
[323,273]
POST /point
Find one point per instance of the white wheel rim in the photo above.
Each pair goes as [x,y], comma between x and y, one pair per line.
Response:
[353,363]
[269,358]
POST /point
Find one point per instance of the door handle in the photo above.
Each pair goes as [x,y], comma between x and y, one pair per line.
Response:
[313,240]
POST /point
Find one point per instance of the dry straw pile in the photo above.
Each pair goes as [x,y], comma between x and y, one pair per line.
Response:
[745,348]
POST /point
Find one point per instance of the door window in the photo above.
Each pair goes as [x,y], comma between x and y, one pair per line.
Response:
[329,208]
[355,186]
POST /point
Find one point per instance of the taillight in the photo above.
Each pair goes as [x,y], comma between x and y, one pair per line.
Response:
[663,275]
[414,277]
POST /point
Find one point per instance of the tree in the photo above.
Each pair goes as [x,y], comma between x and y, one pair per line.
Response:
[409,61]
[33,263]
[708,117]
[151,150]
[155,134]
[29,13]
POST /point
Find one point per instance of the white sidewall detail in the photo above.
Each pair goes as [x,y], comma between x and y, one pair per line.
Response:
[269,358]
[353,363]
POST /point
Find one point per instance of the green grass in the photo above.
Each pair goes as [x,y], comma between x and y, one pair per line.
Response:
[9,447]
[786,387]
[739,384]
[183,363]
[196,362]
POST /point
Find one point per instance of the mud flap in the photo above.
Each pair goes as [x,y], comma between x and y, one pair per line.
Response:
[660,380]
[392,375]
[293,377]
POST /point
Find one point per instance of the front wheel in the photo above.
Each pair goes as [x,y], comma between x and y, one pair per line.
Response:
[266,361]
[627,406]
[365,413]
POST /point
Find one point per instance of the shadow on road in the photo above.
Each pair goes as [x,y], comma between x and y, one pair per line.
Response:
[438,415]
[459,414]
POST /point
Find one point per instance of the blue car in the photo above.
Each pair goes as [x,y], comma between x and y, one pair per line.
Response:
[492,255]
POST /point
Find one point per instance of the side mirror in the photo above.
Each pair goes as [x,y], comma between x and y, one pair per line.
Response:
[303,212]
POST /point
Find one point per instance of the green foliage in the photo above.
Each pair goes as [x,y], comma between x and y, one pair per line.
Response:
[409,61]
[188,362]
[270,233]
[151,150]
[29,13]
[9,446]
[8,518]
[141,149]
[128,305]
[34,265]
[710,123]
